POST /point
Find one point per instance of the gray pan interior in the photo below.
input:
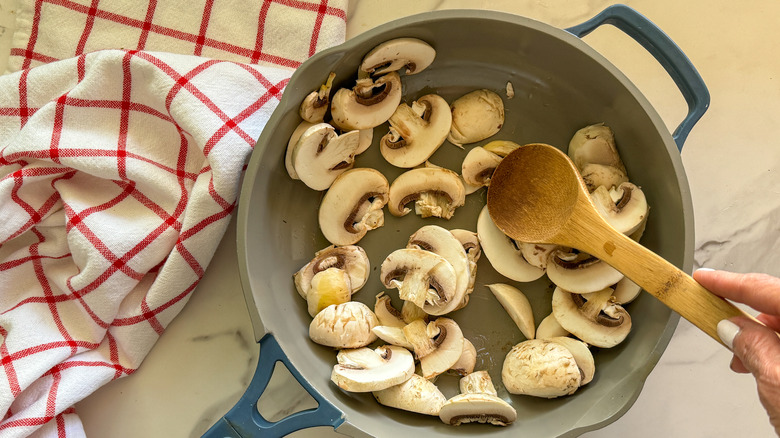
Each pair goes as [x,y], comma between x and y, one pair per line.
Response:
[561,85]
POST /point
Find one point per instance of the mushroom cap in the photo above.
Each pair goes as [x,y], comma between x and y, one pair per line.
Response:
[420,276]
[470,243]
[353,206]
[351,258]
[536,254]
[626,291]
[541,368]
[448,348]
[392,335]
[320,155]
[502,148]
[477,408]
[436,191]
[440,241]
[596,175]
[602,324]
[550,328]
[410,53]
[369,104]
[594,144]
[417,395]
[582,355]
[517,306]
[396,366]
[346,325]
[580,272]
[331,286]
[478,166]
[476,116]
[387,314]
[416,131]
[467,360]
[502,253]
[625,208]
[296,135]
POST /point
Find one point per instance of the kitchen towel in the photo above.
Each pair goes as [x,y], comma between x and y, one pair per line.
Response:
[119,170]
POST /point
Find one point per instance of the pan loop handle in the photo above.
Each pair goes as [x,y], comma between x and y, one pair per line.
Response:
[244,420]
[665,51]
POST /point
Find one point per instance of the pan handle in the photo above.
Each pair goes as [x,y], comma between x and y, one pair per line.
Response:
[665,51]
[244,420]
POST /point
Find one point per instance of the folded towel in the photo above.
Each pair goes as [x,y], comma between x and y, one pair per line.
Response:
[119,170]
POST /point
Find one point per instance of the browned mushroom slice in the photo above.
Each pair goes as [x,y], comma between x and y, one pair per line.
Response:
[353,206]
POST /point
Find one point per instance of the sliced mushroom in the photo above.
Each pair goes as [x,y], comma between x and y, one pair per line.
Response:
[320,155]
[478,166]
[582,356]
[550,328]
[353,206]
[578,272]
[438,345]
[436,192]
[596,175]
[476,116]
[369,104]
[467,360]
[502,148]
[502,253]
[364,141]
[417,394]
[440,241]
[315,105]
[387,314]
[477,403]
[416,131]
[421,277]
[351,258]
[517,306]
[331,286]
[626,291]
[537,254]
[392,335]
[625,208]
[411,312]
[540,368]
[470,243]
[394,366]
[469,189]
[598,321]
[346,325]
[410,53]
[595,144]
[296,135]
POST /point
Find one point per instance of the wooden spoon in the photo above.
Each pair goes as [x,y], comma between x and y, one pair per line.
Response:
[536,195]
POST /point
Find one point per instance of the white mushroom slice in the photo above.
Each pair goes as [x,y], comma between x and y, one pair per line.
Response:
[365,140]
[392,335]
[438,345]
[396,367]
[296,135]
[416,131]
[470,243]
[467,360]
[582,356]
[410,53]
[625,208]
[477,403]
[351,258]
[436,192]
[502,253]
[353,206]
[510,90]
[345,325]
[594,144]
[540,368]
[478,166]
[469,189]
[411,312]
[331,286]
[315,104]
[417,395]
[440,241]
[626,291]
[598,322]
[476,116]
[420,277]
[637,235]
[580,273]
[596,175]
[320,155]
[369,104]
[420,334]
[502,148]
[537,254]
[550,328]
[517,306]
[387,314]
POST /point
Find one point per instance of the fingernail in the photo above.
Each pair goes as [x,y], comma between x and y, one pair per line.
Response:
[705,269]
[727,331]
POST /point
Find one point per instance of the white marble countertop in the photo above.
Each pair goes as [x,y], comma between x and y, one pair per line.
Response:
[205,359]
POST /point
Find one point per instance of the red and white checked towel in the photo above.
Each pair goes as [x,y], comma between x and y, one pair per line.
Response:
[119,170]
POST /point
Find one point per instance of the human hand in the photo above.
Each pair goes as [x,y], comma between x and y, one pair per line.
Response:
[756,347]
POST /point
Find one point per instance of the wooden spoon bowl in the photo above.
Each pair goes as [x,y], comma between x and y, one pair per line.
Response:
[536,195]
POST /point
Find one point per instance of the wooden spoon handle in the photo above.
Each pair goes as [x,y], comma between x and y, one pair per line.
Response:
[661,279]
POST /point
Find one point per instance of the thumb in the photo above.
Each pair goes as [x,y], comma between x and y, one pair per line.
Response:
[756,346]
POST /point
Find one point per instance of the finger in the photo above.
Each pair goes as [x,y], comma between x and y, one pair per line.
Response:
[737,366]
[758,348]
[770,321]
[759,291]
